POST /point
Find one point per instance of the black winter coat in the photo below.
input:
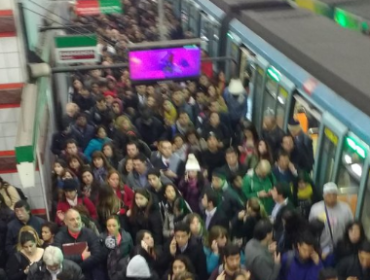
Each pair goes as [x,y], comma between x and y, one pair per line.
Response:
[93,242]
[350,266]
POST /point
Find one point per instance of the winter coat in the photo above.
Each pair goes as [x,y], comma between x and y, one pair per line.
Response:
[192,193]
[64,207]
[237,110]
[83,136]
[70,271]
[252,184]
[95,144]
[350,266]
[16,265]
[93,242]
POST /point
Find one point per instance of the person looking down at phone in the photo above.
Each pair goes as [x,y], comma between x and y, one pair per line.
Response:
[91,257]
[19,263]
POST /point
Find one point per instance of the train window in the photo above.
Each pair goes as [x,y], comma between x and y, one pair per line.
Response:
[353,158]
[365,213]
[257,93]
[281,106]
[215,39]
[326,169]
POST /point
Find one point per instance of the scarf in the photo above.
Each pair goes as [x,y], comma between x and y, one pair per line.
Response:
[72,203]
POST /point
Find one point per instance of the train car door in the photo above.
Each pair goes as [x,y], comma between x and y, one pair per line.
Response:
[177,8]
[246,74]
[233,51]
[209,33]
[352,172]
[258,83]
[185,14]
[363,209]
[194,18]
[326,167]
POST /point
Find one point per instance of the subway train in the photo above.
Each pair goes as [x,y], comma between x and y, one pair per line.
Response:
[300,65]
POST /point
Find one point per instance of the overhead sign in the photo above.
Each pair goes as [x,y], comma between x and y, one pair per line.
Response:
[97,7]
[76,49]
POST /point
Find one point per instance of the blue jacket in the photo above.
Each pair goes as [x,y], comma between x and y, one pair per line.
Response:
[292,268]
[95,144]
[236,110]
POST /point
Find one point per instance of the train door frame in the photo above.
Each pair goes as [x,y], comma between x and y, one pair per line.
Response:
[194,11]
[233,40]
[339,130]
[185,6]
[362,190]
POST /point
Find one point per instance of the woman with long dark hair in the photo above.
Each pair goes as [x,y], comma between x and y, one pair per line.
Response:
[180,264]
[122,191]
[89,185]
[145,215]
[262,151]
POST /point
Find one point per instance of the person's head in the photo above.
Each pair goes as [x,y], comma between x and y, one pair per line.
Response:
[146,236]
[77,84]
[53,258]
[114,179]
[263,168]
[178,98]
[364,254]
[214,106]
[330,193]
[218,234]
[212,92]
[354,233]
[70,187]
[280,192]
[231,156]
[123,123]
[294,127]
[237,180]
[181,264]
[71,147]
[283,160]
[75,162]
[263,231]
[195,223]
[184,276]
[48,231]
[166,149]
[303,179]
[262,148]
[154,178]
[250,132]
[59,167]
[101,103]
[184,118]
[72,220]
[28,243]
[306,246]
[87,176]
[212,141]
[231,258]
[253,206]
[100,132]
[178,141]
[182,234]
[140,165]
[170,192]
[210,199]
[218,178]
[132,149]
[214,119]
[22,211]
[328,274]
[192,167]
[200,97]
[113,225]
[31,230]
[128,166]
[167,105]
[99,160]
[141,89]
[143,199]
[269,120]
[287,143]
[108,150]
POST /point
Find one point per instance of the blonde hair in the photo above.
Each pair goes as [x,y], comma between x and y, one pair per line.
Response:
[264,165]
[29,229]
[120,120]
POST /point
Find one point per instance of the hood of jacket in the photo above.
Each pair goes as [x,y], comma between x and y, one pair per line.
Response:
[138,268]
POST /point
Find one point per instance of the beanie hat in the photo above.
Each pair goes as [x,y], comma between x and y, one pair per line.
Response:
[330,187]
[236,87]
[192,163]
[219,173]
[70,185]
[138,268]
[109,93]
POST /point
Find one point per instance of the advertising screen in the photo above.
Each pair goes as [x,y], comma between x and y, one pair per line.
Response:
[178,62]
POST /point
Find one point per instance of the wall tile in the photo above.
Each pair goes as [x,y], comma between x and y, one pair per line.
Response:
[15,75]
[3,146]
[3,76]
[8,115]
[11,60]
[10,44]
[9,129]
[10,143]
[3,62]
[16,180]
[1,131]
[6,5]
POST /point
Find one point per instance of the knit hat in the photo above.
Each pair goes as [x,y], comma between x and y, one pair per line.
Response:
[138,268]
[330,187]
[70,185]
[192,163]
[236,87]
[110,93]
[219,173]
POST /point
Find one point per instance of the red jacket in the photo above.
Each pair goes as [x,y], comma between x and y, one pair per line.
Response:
[64,207]
[126,195]
[207,69]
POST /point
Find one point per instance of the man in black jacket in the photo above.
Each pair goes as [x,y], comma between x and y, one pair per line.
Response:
[356,267]
[213,215]
[55,266]
[91,258]
[180,245]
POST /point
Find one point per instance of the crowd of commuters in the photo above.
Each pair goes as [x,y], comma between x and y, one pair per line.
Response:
[169,181]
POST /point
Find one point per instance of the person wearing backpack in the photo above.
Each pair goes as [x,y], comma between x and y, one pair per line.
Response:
[304,263]
[10,193]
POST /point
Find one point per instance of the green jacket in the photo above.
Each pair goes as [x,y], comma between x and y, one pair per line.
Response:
[252,184]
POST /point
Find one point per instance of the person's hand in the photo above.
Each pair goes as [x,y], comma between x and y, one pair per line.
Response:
[27,269]
[272,247]
[173,247]
[315,257]
[292,168]
[352,278]
[60,215]
[241,149]
[144,245]
[169,173]
[221,276]
[220,144]
[262,194]
[86,253]
[277,258]
[205,173]
[128,213]
[246,273]
[241,215]
[214,247]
